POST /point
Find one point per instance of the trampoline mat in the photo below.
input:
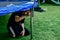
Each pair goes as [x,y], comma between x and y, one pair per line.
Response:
[3,4]
[14,6]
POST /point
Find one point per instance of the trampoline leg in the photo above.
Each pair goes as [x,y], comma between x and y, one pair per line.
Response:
[31,22]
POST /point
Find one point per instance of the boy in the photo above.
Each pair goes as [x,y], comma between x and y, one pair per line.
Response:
[15,24]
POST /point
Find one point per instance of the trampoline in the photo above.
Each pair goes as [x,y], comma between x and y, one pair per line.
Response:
[7,7]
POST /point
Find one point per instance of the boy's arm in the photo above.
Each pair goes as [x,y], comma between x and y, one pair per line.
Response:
[12,31]
[22,25]
[18,18]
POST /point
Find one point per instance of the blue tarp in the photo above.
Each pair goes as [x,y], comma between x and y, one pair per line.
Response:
[15,0]
[13,8]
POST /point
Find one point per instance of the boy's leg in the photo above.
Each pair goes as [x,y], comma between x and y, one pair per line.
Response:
[26,32]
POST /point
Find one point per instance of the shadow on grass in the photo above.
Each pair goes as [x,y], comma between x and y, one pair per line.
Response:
[4,36]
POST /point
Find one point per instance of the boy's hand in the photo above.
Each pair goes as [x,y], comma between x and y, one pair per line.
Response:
[27,13]
[23,33]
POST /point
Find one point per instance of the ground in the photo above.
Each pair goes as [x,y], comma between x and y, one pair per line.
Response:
[46,25]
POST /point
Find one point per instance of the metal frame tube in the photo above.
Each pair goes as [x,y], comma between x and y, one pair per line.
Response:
[31,22]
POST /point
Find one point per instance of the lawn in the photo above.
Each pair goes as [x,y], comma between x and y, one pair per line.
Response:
[46,25]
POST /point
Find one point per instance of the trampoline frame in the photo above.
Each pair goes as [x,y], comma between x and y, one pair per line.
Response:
[31,21]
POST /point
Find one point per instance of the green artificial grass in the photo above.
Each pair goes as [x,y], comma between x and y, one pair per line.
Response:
[46,25]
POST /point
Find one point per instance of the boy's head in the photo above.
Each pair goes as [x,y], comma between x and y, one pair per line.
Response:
[20,15]
[23,13]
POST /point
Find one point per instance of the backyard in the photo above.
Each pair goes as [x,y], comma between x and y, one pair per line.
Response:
[46,25]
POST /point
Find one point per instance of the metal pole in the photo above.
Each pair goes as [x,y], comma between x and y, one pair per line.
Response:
[58,1]
[31,21]
[43,1]
[38,2]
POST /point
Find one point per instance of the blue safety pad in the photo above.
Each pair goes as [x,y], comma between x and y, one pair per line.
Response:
[13,8]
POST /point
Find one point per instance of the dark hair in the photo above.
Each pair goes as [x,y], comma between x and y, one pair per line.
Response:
[19,13]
